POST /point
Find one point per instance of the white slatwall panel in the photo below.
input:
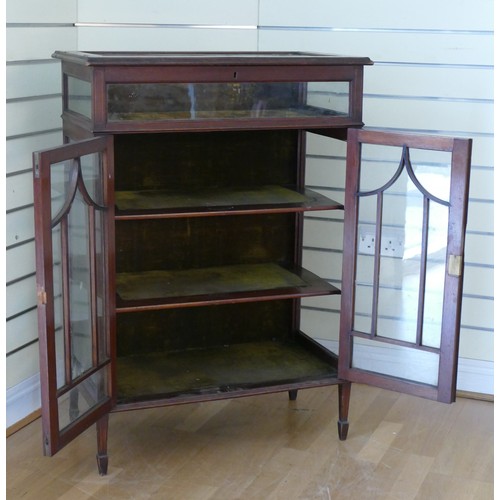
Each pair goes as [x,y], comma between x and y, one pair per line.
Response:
[386,14]
[33,87]
[433,72]
[174,39]
[169,12]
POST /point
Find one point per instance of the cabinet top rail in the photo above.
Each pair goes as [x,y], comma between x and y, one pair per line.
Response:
[207,58]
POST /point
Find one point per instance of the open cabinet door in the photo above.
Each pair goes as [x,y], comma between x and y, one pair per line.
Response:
[73,231]
[405,216]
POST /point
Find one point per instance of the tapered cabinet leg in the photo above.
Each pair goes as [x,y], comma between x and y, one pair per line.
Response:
[102,445]
[344,397]
[292,395]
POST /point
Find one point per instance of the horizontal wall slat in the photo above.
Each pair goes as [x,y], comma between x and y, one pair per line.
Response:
[19,150]
[479,249]
[433,81]
[467,117]
[324,264]
[21,365]
[477,312]
[479,281]
[20,261]
[19,190]
[394,47]
[324,325]
[480,217]
[323,234]
[21,330]
[19,226]
[33,116]
[222,12]
[166,39]
[476,344]
[27,80]
[330,172]
[38,43]
[326,172]
[428,14]
[34,11]
[20,296]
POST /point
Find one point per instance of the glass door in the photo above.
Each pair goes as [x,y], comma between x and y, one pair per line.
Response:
[74,241]
[405,216]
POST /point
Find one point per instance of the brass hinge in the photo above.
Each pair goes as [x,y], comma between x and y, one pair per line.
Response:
[42,296]
[36,165]
[455,265]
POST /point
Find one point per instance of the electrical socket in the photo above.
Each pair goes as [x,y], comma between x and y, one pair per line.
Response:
[392,244]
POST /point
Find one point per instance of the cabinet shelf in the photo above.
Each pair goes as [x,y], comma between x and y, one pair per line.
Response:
[223,370]
[216,201]
[216,285]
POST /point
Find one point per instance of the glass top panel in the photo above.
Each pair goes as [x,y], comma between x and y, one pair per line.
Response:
[201,101]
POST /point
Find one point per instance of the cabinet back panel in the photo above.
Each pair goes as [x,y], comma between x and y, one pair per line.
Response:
[184,161]
[202,327]
[187,243]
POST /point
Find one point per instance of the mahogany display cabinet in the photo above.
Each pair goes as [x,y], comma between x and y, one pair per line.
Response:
[169,238]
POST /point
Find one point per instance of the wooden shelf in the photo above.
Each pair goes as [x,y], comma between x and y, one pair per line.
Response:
[223,369]
[216,201]
[215,285]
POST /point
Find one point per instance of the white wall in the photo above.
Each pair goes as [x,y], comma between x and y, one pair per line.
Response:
[433,72]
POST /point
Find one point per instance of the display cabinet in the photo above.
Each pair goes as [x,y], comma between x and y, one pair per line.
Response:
[169,233]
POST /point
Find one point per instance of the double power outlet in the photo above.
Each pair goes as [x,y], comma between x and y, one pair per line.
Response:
[392,243]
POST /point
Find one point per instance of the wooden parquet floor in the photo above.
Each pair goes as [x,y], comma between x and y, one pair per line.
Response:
[265,447]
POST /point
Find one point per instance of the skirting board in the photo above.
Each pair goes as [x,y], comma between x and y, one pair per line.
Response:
[474,376]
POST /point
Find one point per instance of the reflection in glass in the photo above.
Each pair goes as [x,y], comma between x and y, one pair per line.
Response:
[79,96]
[79,299]
[60,186]
[197,101]
[79,293]
[82,398]
[101,299]
[435,275]
[402,362]
[58,306]
[398,197]
[91,169]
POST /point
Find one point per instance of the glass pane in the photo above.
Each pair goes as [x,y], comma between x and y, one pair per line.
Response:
[58,305]
[82,398]
[433,171]
[402,236]
[60,189]
[365,264]
[101,298]
[435,275]
[91,167]
[401,242]
[79,275]
[197,101]
[326,95]
[79,96]
[378,166]
[402,362]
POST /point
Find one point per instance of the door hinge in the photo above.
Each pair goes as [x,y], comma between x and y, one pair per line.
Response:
[36,165]
[455,265]
[42,296]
